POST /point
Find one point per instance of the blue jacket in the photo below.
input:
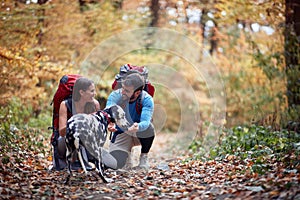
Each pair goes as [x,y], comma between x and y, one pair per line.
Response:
[144,118]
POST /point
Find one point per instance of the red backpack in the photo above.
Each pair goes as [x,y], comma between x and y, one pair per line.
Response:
[129,69]
[63,92]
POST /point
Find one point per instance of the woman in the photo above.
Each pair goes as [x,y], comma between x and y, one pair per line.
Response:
[83,92]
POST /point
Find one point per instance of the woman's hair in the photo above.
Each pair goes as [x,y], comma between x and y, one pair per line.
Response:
[81,84]
[135,80]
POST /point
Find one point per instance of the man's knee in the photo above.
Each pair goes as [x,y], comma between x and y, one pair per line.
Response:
[121,157]
[148,133]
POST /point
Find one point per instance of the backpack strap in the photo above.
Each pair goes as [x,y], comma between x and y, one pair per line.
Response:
[139,102]
[68,103]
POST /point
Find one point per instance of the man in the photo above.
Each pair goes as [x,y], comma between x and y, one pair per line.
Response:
[138,106]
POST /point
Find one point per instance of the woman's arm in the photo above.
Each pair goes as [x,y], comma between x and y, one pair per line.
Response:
[63,117]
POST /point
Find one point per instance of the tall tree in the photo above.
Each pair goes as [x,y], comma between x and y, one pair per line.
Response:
[154,12]
[292,53]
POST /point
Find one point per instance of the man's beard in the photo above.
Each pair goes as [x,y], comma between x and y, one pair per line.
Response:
[126,98]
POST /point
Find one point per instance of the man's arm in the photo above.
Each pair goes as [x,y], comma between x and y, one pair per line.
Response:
[113,98]
[147,112]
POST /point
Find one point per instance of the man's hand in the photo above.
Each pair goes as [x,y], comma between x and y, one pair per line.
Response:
[134,128]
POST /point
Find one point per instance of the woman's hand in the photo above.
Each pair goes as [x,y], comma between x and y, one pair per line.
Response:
[112,127]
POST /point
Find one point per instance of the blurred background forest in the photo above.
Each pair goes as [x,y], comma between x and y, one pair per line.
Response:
[254,44]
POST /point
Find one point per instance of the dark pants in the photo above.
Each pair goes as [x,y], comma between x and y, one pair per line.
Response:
[146,138]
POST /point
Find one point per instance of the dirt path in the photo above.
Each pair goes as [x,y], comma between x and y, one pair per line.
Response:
[161,152]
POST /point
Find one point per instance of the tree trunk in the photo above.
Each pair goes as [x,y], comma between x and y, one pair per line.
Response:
[292,53]
[154,12]
[203,21]
[41,14]
[118,4]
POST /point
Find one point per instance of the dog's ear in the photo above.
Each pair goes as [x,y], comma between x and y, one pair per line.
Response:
[110,110]
[107,110]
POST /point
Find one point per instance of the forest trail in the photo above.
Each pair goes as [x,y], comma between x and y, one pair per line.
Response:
[161,152]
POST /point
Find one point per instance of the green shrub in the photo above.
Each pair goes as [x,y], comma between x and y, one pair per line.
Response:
[19,128]
[257,143]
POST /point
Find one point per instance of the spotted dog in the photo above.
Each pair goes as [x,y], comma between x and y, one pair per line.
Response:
[90,131]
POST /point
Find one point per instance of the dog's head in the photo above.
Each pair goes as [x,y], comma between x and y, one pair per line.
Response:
[117,115]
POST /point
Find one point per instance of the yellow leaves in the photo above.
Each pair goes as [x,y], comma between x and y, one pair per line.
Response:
[50,158]
[230,157]
[25,78]
[39,167]
[274,193]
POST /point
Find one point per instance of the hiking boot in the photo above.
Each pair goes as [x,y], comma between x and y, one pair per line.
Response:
[144,161]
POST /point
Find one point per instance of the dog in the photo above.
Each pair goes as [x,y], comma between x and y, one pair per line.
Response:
[90,131]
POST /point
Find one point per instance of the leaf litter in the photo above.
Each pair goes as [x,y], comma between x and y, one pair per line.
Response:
[25,175]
